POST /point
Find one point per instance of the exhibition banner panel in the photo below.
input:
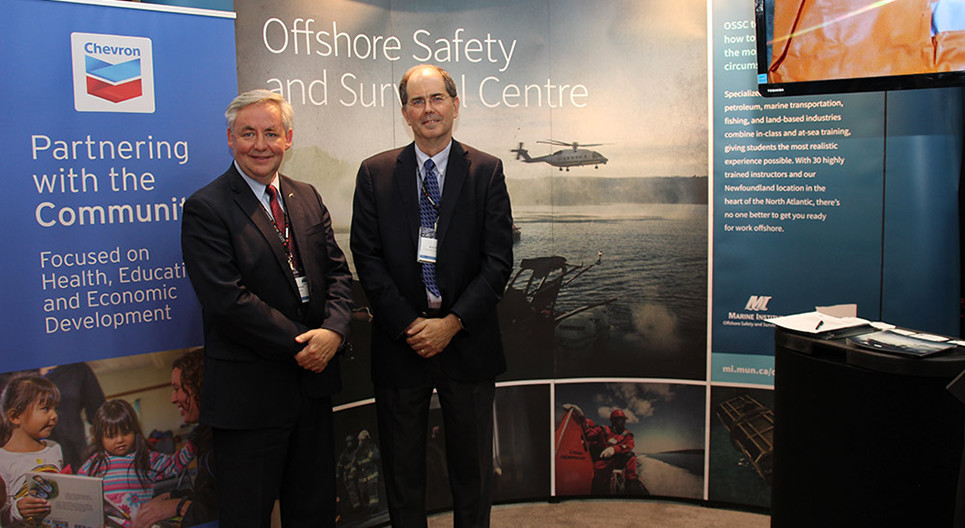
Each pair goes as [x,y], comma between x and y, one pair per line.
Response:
[605,157]
[797,192]
[117,117]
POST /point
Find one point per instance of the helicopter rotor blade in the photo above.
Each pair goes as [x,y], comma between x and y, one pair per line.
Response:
[575,145]
[555,142]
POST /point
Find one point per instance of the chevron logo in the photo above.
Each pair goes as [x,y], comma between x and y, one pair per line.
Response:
[112,73]
[114,82]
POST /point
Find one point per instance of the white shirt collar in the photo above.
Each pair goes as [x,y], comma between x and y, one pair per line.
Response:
[441,159]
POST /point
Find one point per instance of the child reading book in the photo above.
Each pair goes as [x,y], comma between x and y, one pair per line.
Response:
[124,459]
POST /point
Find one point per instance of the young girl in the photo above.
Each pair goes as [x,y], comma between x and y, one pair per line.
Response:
[29,412]
[125,461]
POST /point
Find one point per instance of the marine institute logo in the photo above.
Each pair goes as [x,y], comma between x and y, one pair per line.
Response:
[112,73]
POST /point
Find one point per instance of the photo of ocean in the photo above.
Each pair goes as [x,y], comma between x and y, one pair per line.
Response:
[642,291]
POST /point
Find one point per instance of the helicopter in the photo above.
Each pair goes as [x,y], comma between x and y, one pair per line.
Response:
[565,158]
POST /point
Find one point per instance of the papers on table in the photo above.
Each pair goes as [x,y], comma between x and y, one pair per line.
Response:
[888,337]
[822,319]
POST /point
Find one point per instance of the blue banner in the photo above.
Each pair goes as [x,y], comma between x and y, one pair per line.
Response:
[797,199]
[115,116]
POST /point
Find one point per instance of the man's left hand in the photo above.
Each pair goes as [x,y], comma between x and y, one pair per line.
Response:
[320,347]
[429,337]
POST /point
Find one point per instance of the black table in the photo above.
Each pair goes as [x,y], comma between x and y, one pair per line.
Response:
[863,438]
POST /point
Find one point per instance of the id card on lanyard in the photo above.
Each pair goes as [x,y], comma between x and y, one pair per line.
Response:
[427,245]
[301,281]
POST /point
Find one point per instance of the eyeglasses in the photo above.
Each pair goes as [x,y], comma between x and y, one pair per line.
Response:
[420,102]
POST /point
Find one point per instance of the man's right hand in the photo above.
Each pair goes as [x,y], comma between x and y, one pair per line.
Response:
[428,337]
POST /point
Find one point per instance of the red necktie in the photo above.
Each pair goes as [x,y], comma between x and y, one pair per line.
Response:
[276,211]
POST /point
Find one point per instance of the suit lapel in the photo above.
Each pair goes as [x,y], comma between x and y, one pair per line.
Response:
[253,209]
[405,182]
[457,171]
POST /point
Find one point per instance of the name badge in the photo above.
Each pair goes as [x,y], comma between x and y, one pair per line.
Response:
[302,283]
[427,245]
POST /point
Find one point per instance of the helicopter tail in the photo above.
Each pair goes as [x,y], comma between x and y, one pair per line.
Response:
[521,153]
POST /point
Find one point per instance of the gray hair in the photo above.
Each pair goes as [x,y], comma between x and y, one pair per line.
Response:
[260,96]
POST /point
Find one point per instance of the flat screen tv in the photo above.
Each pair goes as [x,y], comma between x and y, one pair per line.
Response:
[832,46]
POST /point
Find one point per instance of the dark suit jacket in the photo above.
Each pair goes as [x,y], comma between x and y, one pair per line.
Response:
[474,260]
[251,306]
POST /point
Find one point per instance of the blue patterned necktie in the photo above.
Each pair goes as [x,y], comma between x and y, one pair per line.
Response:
[429,199]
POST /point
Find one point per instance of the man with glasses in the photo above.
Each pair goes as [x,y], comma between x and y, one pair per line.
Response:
[432,245]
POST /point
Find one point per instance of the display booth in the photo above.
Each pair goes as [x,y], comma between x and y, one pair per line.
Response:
[663,212]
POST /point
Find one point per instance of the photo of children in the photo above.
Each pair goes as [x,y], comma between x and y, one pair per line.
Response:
[125,460]
[144,442]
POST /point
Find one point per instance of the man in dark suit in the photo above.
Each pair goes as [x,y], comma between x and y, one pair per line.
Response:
[432,245]
[275,292]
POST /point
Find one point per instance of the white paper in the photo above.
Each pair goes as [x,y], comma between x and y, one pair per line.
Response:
[816,322]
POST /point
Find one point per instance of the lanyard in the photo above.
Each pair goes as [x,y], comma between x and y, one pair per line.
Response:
[285,238]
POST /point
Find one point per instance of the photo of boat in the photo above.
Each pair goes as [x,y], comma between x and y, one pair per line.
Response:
[533,323]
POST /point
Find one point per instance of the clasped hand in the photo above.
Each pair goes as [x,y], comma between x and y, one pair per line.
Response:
[320,347]
[428,337]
